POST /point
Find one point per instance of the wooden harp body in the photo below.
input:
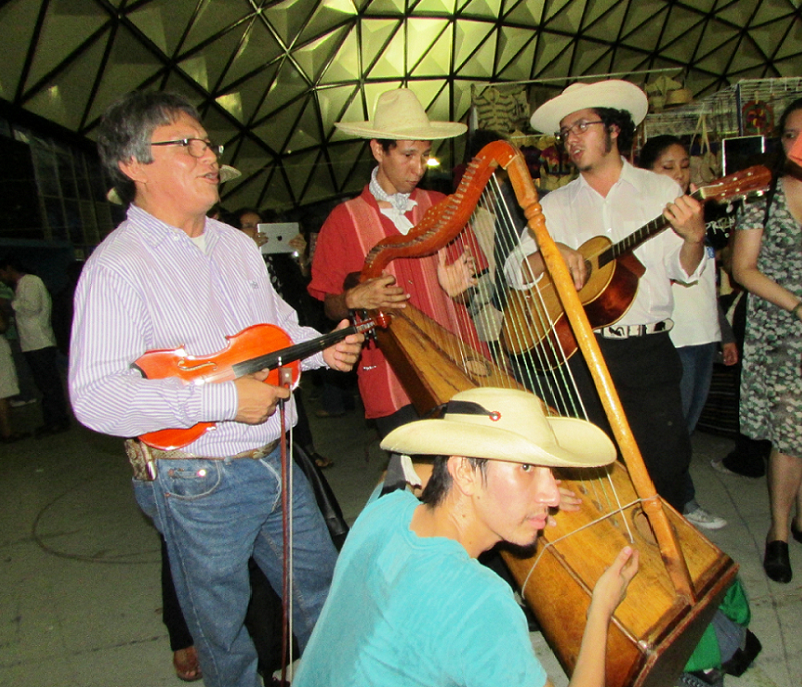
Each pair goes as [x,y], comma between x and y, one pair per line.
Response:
[682,575]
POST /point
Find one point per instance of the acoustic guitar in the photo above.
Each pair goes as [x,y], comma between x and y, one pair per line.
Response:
[534,319]
[258,347]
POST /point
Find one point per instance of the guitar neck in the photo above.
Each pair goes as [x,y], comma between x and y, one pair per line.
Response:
[639,236]
[276,359]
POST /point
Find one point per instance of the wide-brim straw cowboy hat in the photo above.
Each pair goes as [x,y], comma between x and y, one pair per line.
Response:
[613,93]
[399,116]
[504,424]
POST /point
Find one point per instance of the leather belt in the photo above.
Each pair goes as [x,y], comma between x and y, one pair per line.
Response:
[625,331]
[142,457]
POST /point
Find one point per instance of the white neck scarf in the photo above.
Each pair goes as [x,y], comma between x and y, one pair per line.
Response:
[400,204]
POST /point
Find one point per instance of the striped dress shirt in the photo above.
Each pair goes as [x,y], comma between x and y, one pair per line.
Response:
[148,286]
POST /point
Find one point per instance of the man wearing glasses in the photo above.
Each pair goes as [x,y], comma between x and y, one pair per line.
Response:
[168,277]
[596,124]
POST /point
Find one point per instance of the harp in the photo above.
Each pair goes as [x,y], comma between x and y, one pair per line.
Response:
[682,575]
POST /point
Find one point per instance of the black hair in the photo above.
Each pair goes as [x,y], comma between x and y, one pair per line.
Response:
[440,482]
[621,119]
[127,126]
[387,144]
[653,148]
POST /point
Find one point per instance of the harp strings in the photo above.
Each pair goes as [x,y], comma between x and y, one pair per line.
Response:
[495,231]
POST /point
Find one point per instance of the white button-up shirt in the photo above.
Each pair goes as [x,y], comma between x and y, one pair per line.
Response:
[576,213]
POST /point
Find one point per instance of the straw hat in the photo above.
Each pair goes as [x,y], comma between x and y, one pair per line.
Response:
[613,93]
[399,116]
[504,424]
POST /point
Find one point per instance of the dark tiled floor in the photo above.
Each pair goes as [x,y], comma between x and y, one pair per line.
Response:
[80,600]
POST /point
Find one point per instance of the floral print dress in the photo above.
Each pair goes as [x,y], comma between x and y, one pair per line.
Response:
[771,380]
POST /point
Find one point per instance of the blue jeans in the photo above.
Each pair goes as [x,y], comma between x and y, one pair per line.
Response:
[697,371]
[215,514]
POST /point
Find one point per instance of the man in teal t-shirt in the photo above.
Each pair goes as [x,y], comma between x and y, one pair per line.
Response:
[410,605]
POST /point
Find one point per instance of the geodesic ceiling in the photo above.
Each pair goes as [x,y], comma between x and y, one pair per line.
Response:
[271,78]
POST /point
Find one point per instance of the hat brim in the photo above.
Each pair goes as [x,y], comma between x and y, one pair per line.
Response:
[434,131]
[613,93]
[579,443]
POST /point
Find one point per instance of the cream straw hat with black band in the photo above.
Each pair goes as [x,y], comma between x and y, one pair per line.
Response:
[612,93]
[504,424]
[399,116]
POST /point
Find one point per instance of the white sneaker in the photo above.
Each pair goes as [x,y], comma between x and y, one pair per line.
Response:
[702,518]
[18,403]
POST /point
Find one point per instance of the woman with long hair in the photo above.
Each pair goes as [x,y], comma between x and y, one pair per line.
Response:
[767,262]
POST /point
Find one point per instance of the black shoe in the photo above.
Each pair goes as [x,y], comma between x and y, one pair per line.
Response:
[742,658]
[745,465]
[795,533]
[776,562]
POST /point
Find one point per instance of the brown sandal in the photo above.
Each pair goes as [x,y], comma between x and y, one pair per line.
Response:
[185,662]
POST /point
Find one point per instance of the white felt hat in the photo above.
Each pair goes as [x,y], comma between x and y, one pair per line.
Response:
[613,93]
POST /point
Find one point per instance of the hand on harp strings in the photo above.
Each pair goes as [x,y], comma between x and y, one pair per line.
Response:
[379,293]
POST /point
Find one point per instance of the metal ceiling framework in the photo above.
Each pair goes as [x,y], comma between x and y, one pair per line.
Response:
[271,78]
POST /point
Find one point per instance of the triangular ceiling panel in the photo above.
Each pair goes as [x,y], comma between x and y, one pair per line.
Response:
[427,32]
[391,59]
[288,85]
[386,7]
[306,132]
[320,185]
[258,48]
[606,26]
[67,26]
[272,77]
[345,63]
[437,60]
[469,35]
[328,14]
[565,17]
[298,169]
[376,34]
[130,65]
[332,103]
[424,7]
[481,9]
[164,22]
[278,127]
[17,24]
[520,67]
[288,18]
[525,13]
[480,64]
[66,99]
[314,56]
[243,102]
[213,18]
[343,158]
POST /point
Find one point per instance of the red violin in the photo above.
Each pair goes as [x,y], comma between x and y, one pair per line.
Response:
[259,347]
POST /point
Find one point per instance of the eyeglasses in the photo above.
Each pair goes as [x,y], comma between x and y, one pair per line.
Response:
[195,146]
[577,129]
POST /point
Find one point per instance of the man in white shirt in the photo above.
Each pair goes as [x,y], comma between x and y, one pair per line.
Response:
[32,307]
[611,198]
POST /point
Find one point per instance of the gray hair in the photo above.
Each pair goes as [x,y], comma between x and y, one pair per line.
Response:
[124,133]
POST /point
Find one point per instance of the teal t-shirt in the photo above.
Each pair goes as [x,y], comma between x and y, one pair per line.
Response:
[408,610]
